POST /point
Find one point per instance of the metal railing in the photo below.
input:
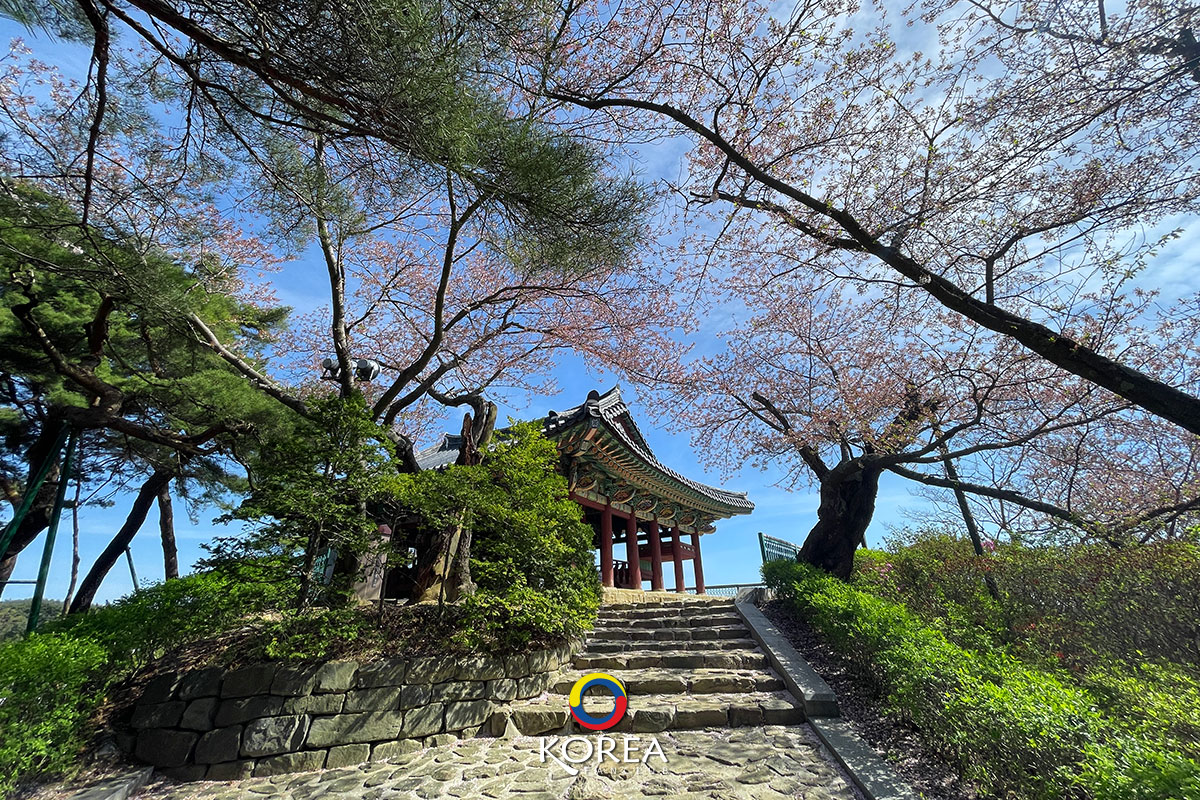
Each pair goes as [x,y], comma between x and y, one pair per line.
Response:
[724,589]
[776,549]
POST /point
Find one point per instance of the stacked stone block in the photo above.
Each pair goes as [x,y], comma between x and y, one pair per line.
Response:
[268,719]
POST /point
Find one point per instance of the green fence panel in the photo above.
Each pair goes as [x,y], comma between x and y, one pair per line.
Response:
[776,549]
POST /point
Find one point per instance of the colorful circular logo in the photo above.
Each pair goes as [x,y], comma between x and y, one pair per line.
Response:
[591,681]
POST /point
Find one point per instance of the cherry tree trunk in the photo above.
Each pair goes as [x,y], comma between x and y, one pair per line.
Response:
[848,494]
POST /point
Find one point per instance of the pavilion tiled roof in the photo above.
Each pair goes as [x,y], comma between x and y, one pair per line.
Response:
[611,412]
[442,454]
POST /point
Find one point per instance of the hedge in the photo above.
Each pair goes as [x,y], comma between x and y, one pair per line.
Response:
[1007,727]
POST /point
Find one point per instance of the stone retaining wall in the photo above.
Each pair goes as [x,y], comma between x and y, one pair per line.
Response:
[268,719]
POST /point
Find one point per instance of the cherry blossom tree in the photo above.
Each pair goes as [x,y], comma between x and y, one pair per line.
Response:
[995,179]
[1012,161]
[463,239]
[842,390]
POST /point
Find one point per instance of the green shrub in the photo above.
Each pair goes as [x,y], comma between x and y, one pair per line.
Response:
[1138,768]
[1122,624]
[1009,728]
[1081,605]
[1151,697]
[49,688]
[531,556]
[315,634]
[142,626]
[52,682]
[520,615]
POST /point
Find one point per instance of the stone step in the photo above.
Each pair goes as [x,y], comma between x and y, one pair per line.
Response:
[668,646]
[679,681]
[690,659]
[660,612]
[698,634]
[655,713]
[693,621]
[670,604]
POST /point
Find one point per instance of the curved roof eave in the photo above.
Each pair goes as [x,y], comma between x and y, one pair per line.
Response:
[610,409]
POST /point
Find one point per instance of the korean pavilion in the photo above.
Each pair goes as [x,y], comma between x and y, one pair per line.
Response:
[645,515]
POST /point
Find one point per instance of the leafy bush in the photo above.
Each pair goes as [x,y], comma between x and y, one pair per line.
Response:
[314,634]
[531,556]
[1082,605]
[52,682]
[1009,728]
[1152,696]
[142,626]
[942,580]
[49,687]
[1122,624]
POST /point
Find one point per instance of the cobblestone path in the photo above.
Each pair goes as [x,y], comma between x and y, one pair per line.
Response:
[744,764]
[697,682]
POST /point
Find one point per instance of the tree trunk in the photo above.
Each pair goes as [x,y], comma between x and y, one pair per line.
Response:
[74,548]
[306,571]
[133,522]
[7,565]
[463,583]
[166,527]
[848,494]
[476,432]
[433,573]
[443,571]
[34,523]
[969,520]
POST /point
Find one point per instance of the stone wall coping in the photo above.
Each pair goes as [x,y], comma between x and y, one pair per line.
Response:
[876,778]
[871,774]
[809,688]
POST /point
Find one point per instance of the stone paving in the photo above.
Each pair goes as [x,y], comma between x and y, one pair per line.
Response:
[767,762]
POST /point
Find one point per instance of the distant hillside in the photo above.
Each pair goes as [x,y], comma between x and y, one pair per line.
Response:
[15,613]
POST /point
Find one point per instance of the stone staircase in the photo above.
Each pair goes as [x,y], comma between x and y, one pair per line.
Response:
[686,664]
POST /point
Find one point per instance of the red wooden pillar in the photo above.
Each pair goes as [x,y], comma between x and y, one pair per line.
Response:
[656,581]
[606,549]
[697,565]
[631,552]
[677,550]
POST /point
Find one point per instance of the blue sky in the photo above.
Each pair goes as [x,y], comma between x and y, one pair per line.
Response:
[730,556]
